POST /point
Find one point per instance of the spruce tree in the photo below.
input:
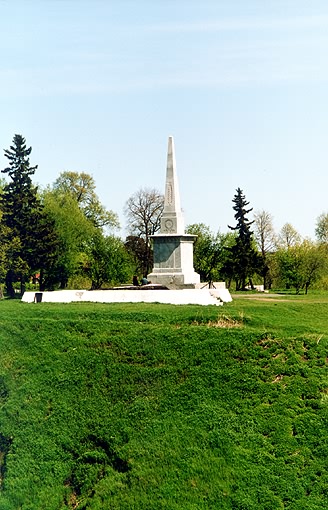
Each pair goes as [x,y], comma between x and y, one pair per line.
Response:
[29,234]
[243,260]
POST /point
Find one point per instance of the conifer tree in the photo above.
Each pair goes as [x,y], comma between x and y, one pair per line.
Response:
[244,259]
[29,235]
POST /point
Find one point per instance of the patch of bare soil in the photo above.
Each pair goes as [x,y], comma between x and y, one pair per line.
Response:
[222,322]
[261,297]
[278,297]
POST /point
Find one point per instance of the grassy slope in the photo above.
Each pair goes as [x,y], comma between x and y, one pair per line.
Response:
[154,407]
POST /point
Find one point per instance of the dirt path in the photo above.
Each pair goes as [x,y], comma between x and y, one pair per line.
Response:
[280,297]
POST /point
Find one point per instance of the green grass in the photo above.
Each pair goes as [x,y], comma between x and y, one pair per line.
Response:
[126,406]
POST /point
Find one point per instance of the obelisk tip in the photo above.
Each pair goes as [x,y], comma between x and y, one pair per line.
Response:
[172,219]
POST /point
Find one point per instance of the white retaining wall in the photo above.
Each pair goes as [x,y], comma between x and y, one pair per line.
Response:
[178,297]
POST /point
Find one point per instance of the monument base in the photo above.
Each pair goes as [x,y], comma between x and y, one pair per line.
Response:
[173,261]
[175,280]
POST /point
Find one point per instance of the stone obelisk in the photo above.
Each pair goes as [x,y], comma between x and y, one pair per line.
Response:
[173,249]
[172,221]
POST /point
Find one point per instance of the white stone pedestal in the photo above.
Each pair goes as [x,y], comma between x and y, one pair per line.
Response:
[173,261]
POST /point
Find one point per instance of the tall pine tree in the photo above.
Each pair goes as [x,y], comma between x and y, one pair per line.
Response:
[244,259]
[30,236]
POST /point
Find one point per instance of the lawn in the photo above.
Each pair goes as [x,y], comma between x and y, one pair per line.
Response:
[148,406]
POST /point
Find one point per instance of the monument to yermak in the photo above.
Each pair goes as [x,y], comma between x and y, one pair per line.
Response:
[173,264]
[173,249]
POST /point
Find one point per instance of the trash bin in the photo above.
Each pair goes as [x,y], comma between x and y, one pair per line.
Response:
[38,297]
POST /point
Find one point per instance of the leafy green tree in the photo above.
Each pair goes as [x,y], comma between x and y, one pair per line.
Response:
[29,233]
[82,188]
[289,265]
[321,229]
[108,261]
[209,252]
[73,230]
[139,252]
[48,249]
[3,246]
[2,184]
[4,255]
[11,263]
[315,264]
[143,211]
[243,260]
[301,265]
[80,221]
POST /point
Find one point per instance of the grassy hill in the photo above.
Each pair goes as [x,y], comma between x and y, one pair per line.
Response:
[125,406]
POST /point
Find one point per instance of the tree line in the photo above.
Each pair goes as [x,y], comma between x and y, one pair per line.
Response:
[252,253]
[63,237]
[59,236]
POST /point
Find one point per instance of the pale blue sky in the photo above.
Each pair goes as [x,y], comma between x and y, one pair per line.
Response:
[242,85]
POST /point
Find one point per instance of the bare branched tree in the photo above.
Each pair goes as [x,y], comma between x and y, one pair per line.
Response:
[288,236]
[266,242]
[321,230]
[143,211]
[264,232]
